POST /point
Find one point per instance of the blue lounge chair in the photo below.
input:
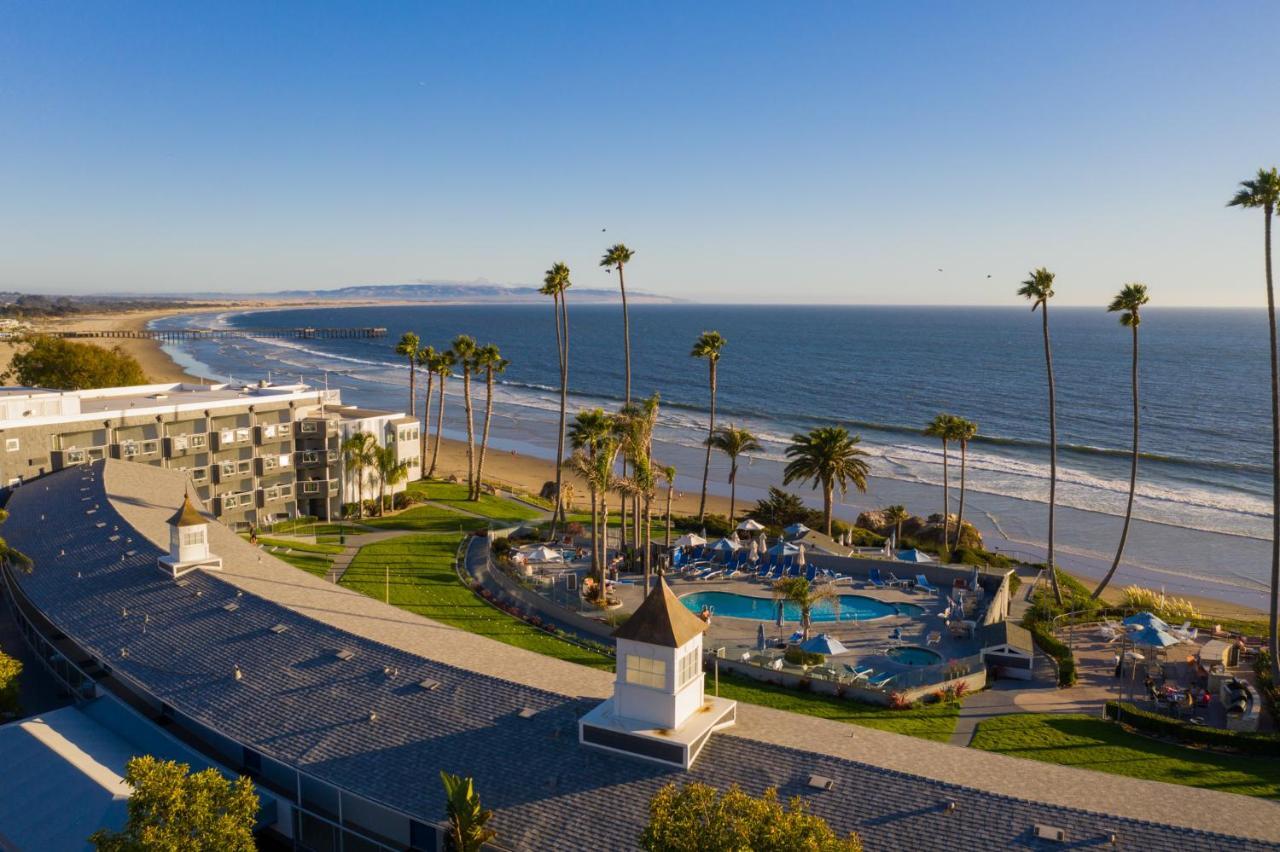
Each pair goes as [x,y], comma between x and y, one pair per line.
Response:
[762,570]
[776,573]
[874,579]
[811,573]
[882,679]
[922,582]
[858,672]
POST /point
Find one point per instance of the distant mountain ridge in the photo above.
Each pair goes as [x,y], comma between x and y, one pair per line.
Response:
[449,291]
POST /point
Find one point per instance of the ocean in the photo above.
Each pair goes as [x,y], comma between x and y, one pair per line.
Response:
[883,372]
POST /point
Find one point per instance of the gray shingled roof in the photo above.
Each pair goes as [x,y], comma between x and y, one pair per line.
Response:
[299,703]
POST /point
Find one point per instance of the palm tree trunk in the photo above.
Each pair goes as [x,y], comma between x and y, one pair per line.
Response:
[484,435]
[648,555]
[733,489]
[622,511]
[426,426]
[604,539]
[595,532]
[472,485]
[413,399]
[382,494]
[946,500]
[964,464]
[828,497]
[435,454]
[626,331]
[562,340]
[1133,472]
[711,430]
[1274,642]
[670,488]
[1053,453]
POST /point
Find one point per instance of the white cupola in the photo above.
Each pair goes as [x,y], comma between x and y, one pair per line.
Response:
[659,709]
[188,542]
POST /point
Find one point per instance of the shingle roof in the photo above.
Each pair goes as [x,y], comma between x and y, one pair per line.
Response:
[299,704]
[1007,633]
[661,620]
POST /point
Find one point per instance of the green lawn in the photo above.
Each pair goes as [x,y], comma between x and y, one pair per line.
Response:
[454,494]
[427,519]
[312,558]
[930,722]
[1091,743]
[423,581]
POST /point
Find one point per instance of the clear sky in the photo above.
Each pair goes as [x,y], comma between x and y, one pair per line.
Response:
[796,152]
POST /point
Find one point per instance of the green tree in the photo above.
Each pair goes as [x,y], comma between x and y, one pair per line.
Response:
[464,350]
[1038,289]
[733,442]
[360,454]
[53,362]
[804,595]
[827,456]
[780,509]
[709,346]
[426,359]
[1263,193]
[965,431]
[896,515]
[1128,303]
[943,427]
[637,423]
[490,360]
[391,472]
[556,284]
[698,818]
[172,809]
[595,442]
[467,819]
[444,362]
[407,348]
[10,671]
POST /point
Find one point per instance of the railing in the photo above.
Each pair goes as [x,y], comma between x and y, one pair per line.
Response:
[79,685]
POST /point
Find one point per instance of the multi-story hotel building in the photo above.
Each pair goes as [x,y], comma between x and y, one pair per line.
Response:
[255,454]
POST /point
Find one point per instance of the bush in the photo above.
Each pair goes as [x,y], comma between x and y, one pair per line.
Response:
[799,657]
[1169,608]
[1015,583]
[500,547]
[1266,687]
[1054,647]
[862,538]
[1166,726]
[402,500]
[10,669]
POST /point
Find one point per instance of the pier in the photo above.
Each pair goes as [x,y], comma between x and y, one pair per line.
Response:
[307,333]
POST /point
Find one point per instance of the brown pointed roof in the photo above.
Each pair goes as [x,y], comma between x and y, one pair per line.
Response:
[661,620]
[187,516]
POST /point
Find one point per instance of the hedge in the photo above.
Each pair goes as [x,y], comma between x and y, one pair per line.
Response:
[1155,723]
[1057,649]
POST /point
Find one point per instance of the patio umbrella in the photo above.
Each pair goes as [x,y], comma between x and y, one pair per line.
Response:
[1153,637]
[914,556]
[796,530]
[1145,619]
[689,540]
[764,542]
[751,525]
[824,643]
[760,637]
[726,544]
[780,613]
[784,548]
[754,553]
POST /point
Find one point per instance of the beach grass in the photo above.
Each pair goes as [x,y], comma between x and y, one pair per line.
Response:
[423,581]
[454,494]
[1088,742]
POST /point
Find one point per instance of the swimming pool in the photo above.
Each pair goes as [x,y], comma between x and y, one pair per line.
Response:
[913,655]
[730,605]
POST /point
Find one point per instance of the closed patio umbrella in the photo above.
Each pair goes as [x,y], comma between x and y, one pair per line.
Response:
[800,556]
[760,637]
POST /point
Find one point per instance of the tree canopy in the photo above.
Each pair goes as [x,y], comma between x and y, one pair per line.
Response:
[53,362]
[10,669]
[173,810]
[697,818]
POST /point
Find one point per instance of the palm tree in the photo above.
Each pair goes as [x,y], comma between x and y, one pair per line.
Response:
[733,442]
[804,595]
[669,477]
[1264,192]
[555,283]
[390,470]
[708,345]
[426,358]
[407,348]
[896,515]
[489,359]
[827,456]
[594,438]
[943,427]
[637,428]
[1128,303]
[965,430]
[464,349]
[444,369]
[617,257]
[1038,288]
[359,453]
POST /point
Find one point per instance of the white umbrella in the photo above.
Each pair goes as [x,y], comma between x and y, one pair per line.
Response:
[543,553]
[751,525]
[764,543]
[755,550]
[800,556]
[689,540]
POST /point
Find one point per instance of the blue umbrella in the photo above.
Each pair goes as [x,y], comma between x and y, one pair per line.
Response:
[1145,619]
[824,643]
[1152,637]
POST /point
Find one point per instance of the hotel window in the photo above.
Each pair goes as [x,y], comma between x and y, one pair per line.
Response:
[646,671]
[227,436]
[308,427]
[197,441]
[243,467]
[285,459]
[228,468]
[75,456]
[149,447]
[270,463]
[269,431]
[179,442]
[11,445]
[689,668]
[242,434]
[200,474]
[228,501]
[128,449]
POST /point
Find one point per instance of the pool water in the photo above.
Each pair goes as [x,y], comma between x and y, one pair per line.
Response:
[908,609]
[730,605]
[911,655]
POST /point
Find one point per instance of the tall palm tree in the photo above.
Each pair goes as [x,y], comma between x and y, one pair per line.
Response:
[444,363]
[1128,303]
[1038,289]
[827,456]
[965,430]
[896,515]
[708,345]
[390,470]
[594,438]
[426,358]
[638,427]
[733,442]
[407,348]
[464,349]
[804,595]
[490,360]
[1264,192]
[359,454]
[554,284]
[616,257]
[669,477]
[943,428]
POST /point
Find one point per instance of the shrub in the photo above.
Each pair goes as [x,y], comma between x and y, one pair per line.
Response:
[1266,687]
[10,669]
[863,538]
[1166,726]
[501,547]
[1055,648]
[1168,608]
[899,701]
[402,500]
[800,657]
[1015,583]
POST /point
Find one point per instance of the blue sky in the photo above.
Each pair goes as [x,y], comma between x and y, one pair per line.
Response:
[748,152]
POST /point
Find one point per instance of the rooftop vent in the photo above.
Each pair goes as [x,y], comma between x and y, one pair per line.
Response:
[279,628]
[821,782]
[113,538]
[237,674]
[1050,832]
[131,553]
[231,607]
[527,713]
[345,655]
[100,524]
[429,685]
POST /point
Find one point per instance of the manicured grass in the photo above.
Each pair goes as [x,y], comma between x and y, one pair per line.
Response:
[428,519]
[1091,743]
[312,558]
[930,722]
[455,494]
[304,546]
[422,580]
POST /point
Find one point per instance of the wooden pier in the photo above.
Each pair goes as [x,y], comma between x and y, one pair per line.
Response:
[221,333]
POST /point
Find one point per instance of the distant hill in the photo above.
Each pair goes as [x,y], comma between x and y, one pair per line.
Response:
[448,291]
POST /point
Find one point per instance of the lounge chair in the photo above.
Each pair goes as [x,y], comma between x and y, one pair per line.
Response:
[776,573]
[882,679]
[859,672]
[934,638]
[762,571]
[874,579]
[712,574]
[811,573]
[922,582]
[795,637]
[895,580]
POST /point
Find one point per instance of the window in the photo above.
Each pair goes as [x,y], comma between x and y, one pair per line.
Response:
[149,447]
[270,463]
[75,457]
[311,487]
[269,431]
[229,501]
[308,427]
[242,434]
[200,474]
[227,436]
[285,459]
[192,536]
[179,442]
[196,441]
[286,490]
[227,468]
[96,454]
[646,671]
[243,467]
[11,445]
[128,449]
[310,457]
[688,668]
